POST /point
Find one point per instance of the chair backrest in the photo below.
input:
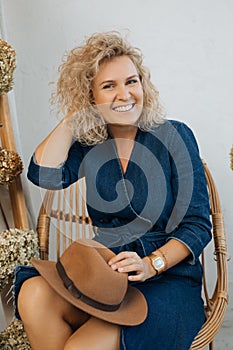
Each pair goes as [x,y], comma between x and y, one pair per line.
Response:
[63,217]
[216,303]
[67,210]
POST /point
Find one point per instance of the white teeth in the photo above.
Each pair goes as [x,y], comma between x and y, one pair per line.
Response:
[123,108]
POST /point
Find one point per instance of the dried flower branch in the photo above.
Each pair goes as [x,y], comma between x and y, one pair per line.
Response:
[7,66]
[11,166]
[17,247]
[14,337]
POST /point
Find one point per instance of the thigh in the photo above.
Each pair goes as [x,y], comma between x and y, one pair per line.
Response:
[37,295]
[95,334]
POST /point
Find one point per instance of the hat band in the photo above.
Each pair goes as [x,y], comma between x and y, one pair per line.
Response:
[69,284]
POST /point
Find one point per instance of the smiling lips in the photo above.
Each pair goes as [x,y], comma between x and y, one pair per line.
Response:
[124,108]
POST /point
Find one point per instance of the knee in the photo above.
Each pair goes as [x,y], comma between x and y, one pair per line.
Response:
[70,345]
[34,293]
[76,344]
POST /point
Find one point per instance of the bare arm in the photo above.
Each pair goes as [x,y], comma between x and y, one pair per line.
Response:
[53,150]
[173,250]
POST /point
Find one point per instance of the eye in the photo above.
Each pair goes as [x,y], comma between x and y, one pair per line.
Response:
[132,81]
[108,86]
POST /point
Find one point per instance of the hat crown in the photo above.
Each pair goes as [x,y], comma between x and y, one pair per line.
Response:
[86,265]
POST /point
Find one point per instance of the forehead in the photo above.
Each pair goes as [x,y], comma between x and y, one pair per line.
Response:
[115,68]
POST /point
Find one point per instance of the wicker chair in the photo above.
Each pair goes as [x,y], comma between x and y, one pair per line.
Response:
[216,303]
[72,222]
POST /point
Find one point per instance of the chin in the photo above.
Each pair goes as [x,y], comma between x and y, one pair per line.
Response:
[123,121]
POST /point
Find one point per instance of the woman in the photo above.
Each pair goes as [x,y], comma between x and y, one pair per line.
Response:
[146,194]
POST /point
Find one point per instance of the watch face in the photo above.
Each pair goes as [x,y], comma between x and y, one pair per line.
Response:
[158,263]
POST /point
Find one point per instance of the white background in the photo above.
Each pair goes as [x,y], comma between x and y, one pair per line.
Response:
[188,46]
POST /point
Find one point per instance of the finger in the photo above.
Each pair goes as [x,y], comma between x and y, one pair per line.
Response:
[129,265]
[125,265]
[121,256]
[137,277]
[132,263]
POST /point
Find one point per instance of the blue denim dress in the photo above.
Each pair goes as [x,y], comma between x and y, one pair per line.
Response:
[162,195]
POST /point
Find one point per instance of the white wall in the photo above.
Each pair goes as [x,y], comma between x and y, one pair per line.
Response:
[187,45]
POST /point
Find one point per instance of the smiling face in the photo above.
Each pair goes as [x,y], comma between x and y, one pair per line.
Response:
[118,92]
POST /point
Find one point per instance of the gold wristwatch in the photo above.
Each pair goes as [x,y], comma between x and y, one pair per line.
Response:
[157,263]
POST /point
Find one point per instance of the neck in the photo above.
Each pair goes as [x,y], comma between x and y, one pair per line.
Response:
[122,131]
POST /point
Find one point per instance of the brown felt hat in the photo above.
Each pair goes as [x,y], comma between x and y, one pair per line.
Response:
[83,277]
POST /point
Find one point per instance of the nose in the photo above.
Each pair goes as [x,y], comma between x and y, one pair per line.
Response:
[123,93]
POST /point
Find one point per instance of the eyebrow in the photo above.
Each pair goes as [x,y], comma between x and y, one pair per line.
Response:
[112,81]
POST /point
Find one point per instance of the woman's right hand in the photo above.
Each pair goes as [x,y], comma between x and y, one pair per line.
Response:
[139,269]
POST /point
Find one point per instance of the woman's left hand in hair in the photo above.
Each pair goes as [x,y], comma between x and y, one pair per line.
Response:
[138,269]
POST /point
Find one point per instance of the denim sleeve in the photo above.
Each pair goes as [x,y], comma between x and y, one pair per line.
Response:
[60,177]
[190,190]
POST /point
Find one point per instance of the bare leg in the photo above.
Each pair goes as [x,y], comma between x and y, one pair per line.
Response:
[48,319]
[95,334]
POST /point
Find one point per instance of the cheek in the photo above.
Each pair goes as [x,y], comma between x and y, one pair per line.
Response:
[139,93]
[102,105]
[101,98]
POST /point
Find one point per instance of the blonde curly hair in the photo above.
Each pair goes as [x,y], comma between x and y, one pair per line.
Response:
[74,86]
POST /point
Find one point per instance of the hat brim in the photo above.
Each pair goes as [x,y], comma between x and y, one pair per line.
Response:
[132,311]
